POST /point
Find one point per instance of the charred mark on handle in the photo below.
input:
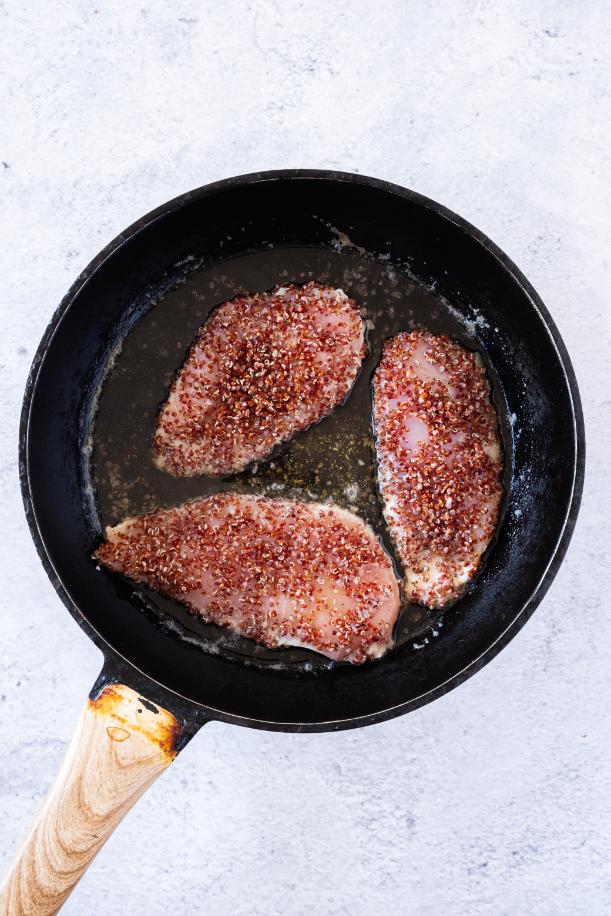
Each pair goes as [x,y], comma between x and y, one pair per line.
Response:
[116,733]
[148,705]
[120,706]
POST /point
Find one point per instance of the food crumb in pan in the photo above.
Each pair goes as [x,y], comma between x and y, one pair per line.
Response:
[351,492]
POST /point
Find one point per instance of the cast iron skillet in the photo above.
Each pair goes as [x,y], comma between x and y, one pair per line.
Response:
[104,365]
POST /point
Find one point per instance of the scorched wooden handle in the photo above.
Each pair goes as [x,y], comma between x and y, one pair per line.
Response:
[121,745]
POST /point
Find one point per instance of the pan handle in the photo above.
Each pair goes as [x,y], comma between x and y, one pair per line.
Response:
[121,745]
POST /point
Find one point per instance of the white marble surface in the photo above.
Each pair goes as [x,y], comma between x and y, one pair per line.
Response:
[495,799]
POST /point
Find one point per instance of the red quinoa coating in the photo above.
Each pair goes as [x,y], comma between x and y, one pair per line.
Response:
[439,461]
[279,572]
[263,367]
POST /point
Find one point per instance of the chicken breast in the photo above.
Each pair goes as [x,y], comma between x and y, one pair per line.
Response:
[263,367]
[279,572]
[439,462]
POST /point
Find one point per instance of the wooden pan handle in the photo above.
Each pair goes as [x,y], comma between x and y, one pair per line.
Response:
[121,745]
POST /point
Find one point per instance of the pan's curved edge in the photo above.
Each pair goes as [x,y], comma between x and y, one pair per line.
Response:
[115,664]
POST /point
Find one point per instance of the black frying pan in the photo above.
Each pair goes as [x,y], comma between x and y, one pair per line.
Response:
[104,366]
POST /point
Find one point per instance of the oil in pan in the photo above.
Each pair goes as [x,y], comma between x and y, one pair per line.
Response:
[333,460]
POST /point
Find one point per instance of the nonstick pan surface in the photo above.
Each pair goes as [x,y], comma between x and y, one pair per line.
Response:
[104,367]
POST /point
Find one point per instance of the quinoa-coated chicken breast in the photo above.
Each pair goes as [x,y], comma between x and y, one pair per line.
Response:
[263,367]
[282,573]
[439,462]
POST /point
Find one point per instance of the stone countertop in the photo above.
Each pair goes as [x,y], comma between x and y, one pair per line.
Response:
[496,798]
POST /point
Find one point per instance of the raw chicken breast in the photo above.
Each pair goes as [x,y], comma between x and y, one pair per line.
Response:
[439,462]
[263,367]
[282,573]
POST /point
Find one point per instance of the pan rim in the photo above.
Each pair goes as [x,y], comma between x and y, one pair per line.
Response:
[519,616]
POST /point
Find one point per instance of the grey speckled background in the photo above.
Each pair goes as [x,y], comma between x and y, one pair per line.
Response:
[497,798]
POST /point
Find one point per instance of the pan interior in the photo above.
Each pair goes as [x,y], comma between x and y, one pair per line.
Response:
[332,461]
[123,330]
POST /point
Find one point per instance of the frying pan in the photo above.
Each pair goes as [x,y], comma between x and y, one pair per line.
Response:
[98,377]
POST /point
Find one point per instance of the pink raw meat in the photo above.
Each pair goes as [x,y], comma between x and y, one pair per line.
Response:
[282,573]
[439,462]
[263,367]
